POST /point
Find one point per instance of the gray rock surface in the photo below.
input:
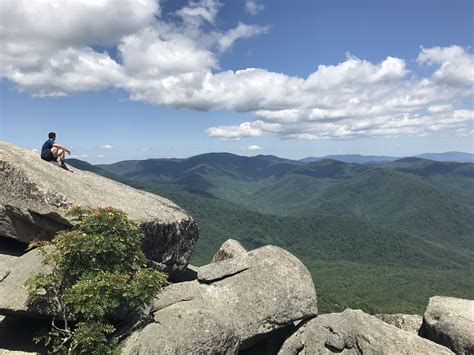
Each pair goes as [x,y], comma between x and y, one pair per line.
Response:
[408,322]
[13,296]
[252,295]
[355,332]
[182,330]
[230,249]
[450,321]
[34,196]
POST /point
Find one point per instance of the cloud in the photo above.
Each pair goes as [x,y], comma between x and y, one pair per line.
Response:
[62,47]
[100,156]
[246,129]
[252,7]
[198,11]
[107,146]
[241,31]
[254,147]
[456,66]
[79,156]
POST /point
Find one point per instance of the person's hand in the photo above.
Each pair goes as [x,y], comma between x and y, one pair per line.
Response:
[68,151]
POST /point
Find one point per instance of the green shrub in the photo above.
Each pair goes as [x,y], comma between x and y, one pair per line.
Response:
[97,270]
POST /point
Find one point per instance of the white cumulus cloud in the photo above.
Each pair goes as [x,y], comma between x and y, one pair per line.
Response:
[254,147]
[55,48]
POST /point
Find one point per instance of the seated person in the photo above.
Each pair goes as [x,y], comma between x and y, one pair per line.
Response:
[51,151]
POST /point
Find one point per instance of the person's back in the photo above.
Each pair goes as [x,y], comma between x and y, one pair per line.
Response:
[46,153]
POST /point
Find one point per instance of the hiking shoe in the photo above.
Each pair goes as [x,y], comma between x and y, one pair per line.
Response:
[64,166]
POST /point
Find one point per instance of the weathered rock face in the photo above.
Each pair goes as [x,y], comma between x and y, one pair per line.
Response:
[230,249]
[247,297]
[450,321]
[407,322]
[182,330]
[34,196]
[13,296]
[355,332]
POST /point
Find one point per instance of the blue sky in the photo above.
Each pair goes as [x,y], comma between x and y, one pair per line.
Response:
[135,80]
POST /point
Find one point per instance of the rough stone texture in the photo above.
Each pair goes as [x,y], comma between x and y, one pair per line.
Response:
[182,330]
[257,293]
[230,249]
[450,321]
[408,322]
[355,332]
[34,196]
[13,296]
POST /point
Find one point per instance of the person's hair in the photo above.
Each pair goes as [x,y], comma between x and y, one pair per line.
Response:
[51,135]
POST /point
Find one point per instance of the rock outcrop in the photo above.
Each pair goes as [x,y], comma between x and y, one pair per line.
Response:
[355,332]
[450,321]
[408,322]
[34,196]
[13,295]
[230,249]
[243,298]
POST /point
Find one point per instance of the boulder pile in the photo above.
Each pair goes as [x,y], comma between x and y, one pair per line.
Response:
[260,301]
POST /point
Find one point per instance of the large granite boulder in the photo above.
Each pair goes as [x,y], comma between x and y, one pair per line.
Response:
[450,321]
[355,332]
[34,196]
[245,298]
[13,295]
[408,322]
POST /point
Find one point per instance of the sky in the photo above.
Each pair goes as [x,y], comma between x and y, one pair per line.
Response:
[138,79]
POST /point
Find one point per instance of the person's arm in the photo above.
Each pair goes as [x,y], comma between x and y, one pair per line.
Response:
[59,146]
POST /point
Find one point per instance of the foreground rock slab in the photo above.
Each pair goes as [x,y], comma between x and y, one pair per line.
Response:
[13,296]
[355,332]
[34,196]
[407,322]
[450,321]
[246,297]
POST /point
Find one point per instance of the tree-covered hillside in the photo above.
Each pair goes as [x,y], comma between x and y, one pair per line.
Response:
[381,237]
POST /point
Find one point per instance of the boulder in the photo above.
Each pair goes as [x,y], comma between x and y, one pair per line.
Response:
[182,330]
[450,321]
[355,332]
[251,296]
[408,322]
[230,249]
[35,195]
[13,296]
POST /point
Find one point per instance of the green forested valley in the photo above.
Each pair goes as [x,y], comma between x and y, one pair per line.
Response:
[381,237]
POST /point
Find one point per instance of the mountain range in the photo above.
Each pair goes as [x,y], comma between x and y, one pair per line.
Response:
[359,227]
[361,159]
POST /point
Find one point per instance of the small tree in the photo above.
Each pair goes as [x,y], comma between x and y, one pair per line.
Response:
[97,269]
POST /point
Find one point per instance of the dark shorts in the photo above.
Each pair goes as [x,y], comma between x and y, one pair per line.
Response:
[48,156]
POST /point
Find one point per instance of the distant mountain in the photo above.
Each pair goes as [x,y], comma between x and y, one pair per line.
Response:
[449,156]
[353,158]
[371,159]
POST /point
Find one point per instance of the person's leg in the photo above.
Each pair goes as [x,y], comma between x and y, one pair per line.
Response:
[54,152]
[61,154]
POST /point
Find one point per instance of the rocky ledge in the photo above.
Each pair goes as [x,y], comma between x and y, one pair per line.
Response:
[35,195]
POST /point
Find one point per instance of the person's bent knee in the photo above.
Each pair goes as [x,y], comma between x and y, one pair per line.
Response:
[54,151]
